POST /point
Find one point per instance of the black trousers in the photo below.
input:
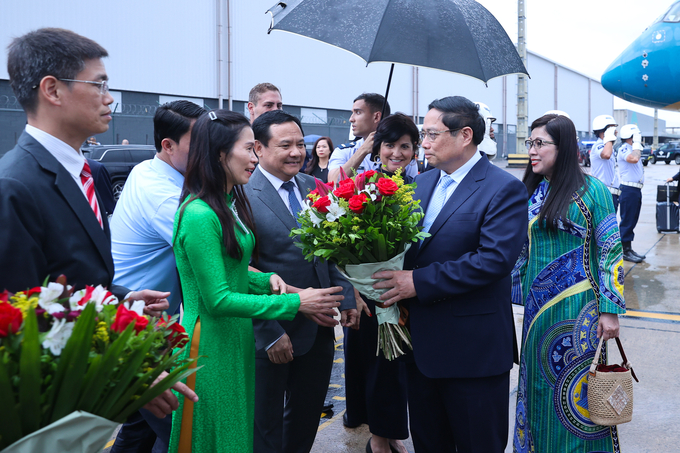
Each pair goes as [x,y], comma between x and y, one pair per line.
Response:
[289,398]
[143,432]
[468,415]
[631,202]
[374,386]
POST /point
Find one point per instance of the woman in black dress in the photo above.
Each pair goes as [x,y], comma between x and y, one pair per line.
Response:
[375,386]
[321,154]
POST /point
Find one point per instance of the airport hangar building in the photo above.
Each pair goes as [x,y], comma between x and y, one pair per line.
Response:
[160,51]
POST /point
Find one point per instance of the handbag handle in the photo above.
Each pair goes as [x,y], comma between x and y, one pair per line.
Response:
[626,363]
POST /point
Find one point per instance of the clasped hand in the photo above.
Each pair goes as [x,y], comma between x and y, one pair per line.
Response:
[398,283]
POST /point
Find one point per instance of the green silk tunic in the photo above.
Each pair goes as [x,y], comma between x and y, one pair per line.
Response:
[221,291]
[556,278]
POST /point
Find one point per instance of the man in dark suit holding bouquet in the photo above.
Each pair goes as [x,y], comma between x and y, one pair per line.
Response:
[457,285]
[294,358]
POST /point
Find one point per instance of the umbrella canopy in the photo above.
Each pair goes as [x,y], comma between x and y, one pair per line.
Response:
[454,35]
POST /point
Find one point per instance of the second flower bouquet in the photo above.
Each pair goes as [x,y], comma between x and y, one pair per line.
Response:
[364,224]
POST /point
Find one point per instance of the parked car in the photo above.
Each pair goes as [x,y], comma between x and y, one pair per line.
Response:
[584,153]
[668,152]
[646,155]
[119,161]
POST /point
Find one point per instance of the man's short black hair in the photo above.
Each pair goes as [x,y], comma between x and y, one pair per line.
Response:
[172,120]
[375,102]
[459,112]
[47,52]
[262,124]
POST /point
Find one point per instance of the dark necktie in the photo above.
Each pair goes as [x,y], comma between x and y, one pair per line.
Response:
[295,207]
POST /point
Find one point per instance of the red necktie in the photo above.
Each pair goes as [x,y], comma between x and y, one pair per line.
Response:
[88,185]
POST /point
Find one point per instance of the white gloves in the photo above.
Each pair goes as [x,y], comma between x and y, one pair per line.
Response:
[637,137]
[610,134]
[637,146]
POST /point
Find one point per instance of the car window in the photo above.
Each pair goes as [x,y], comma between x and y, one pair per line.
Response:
[139,155]
[115,155]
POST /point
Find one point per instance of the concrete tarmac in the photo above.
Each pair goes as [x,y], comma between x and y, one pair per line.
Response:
[650,333]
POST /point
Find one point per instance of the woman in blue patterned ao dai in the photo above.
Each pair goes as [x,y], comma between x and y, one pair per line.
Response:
[569,277]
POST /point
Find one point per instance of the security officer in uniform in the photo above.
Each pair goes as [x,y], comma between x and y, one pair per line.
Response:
[602,165]
[357,158]
[632,178]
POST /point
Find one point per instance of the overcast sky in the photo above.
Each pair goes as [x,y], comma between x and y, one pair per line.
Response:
[585,35]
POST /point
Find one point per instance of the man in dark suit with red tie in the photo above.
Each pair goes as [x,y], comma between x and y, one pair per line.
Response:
[52,221]
[457,286]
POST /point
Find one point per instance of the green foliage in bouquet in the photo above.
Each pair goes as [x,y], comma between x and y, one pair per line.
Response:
[62,352]
[365,219]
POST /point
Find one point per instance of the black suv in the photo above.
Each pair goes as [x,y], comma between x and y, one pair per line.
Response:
[119,160]
[668,152]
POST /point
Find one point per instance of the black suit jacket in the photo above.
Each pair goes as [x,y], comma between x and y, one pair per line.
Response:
[47,226]
[278,253]
[461,319]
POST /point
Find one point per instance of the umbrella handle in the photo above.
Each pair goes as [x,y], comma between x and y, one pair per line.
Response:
[387,92]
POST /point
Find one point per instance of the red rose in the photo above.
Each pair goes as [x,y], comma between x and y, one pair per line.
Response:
[356,203]
[322,204]
[36,290]
[177,336]
[386,186]
[313,192]
[346,190]
[124,317]
[368,174]
[4,296]
[10,319]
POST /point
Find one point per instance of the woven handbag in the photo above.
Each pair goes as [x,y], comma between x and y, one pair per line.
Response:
[610,390]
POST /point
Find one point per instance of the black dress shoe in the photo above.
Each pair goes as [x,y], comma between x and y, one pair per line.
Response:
[637,254]
[629,256]
[327,407]
[345,421]
[370,450]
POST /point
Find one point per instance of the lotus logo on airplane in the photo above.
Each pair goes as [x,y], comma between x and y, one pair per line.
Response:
[648,71]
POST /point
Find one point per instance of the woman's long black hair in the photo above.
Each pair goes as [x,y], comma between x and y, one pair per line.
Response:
[567,176]
[314,160]
[214,134]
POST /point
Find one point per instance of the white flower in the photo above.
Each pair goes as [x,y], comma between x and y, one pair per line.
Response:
[75,298]
[99,296]
[335,211]
[55,308]
[50,294]
[58,336]
[137,306]
[371,191]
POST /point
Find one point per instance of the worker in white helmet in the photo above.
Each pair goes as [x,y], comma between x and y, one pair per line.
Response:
[557,112]
[632,178]
[488,145]
[602,155]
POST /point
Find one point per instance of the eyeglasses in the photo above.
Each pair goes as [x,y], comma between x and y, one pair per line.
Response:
[103,85]
[538,143]
[432,135]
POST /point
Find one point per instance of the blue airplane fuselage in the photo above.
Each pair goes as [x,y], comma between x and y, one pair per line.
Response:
[648,71]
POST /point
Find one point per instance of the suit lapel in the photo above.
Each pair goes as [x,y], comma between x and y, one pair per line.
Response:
[468,186]
[74,197]
[271,198]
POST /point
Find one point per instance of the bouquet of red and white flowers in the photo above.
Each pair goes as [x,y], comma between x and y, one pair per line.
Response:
[68,354]
[364,224]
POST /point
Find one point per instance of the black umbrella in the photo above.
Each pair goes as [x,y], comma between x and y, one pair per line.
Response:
[454,35]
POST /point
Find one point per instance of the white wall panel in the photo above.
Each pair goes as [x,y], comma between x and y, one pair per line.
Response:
[170,47]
